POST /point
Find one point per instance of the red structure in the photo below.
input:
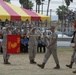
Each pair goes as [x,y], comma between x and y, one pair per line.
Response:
[75,24]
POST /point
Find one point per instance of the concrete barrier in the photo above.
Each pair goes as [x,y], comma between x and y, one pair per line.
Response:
[64,39]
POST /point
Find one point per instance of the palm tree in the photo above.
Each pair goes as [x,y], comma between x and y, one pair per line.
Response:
[48,6]
[38,3]
[26,4]
[21,2]
[68,2]
[66,16]
[71,0]
[60,11]
[60,14]
[42,6]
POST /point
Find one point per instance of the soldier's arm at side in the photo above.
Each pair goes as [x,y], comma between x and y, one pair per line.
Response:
[53,41]
[46,37]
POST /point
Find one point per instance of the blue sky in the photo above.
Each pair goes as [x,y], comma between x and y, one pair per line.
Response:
[53,5]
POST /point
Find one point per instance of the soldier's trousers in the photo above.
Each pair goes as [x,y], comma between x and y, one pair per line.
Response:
[5,54]
[32,52]
[48,53]
[72,58]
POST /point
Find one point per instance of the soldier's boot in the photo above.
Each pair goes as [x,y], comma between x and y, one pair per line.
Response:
[6,61]
[57,66]
[71,64]
[32,62]
[41,65]
[74,71]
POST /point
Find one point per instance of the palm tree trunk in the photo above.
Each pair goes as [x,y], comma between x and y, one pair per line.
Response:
[48,7]
[42,8]
[7,0]
[36,7]
[21,5]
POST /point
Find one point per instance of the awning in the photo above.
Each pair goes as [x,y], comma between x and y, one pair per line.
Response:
[12,12]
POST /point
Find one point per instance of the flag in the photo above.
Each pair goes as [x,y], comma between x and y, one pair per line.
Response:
[13,44]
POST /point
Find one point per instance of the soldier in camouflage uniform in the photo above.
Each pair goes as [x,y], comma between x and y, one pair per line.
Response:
[73,57]
[6,56]
[32,45]
[74,51]
[51,49]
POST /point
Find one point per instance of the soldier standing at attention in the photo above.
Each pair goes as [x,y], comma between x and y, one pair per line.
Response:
[6,56]
[32,45]
[51,49]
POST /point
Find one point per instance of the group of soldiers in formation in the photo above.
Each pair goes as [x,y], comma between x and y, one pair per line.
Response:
[51,45]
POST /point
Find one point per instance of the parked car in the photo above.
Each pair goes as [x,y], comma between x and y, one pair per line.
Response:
[48,32]
[43,32]
[62,35]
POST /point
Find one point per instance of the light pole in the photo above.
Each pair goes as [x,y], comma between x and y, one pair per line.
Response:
[36,6]
[62,27]
[50,15]
[42,8]
[50,12]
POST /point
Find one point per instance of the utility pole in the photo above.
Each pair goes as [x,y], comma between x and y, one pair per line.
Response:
[36,7]
[48,7]
[62,27]
[42,8]
[50,12]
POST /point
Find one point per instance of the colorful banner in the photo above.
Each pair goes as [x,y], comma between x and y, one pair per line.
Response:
[13,44]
